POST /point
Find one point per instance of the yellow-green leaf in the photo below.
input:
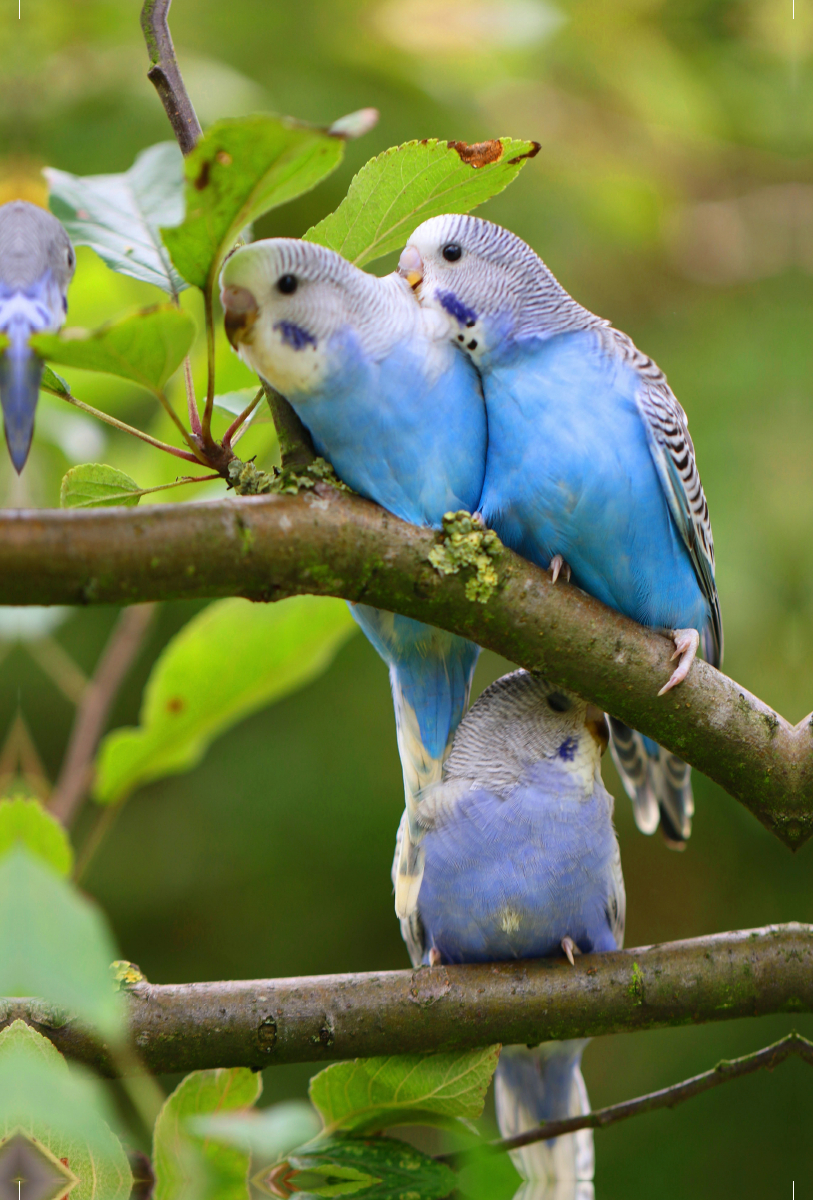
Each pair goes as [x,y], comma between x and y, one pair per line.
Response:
[393,193]
[95,485]
[146,346]
[230,660]
[239,170]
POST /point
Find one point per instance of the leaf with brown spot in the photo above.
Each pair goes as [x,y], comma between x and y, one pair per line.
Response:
[479,154]
[406,185]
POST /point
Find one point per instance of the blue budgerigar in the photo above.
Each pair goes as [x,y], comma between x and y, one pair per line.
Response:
[521,861]
[590,465]
[36,265]
[398,412]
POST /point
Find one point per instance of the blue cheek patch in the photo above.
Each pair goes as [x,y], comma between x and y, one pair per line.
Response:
[456,308]
[568,749]
[295,335]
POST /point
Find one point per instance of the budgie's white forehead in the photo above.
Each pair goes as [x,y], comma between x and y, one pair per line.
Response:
[474,235]
[268,260]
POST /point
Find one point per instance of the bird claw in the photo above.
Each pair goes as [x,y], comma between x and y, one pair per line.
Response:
[435,957]
[570,948]
[686,642]
[557,566]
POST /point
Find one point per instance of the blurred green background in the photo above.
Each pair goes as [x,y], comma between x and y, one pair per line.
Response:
[673,195]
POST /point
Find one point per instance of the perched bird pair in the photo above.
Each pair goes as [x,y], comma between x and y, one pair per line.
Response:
[566,439]
[36,265]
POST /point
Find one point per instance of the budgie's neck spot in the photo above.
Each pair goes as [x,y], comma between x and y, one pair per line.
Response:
[568,748]
[457,309]
[295,335]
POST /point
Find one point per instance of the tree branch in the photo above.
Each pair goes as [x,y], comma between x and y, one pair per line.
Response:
[258,1023]
[327,542]
[94,708]
[766,1059]
[165,75]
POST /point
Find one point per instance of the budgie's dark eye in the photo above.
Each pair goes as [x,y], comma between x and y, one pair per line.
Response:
[70,257]
[452,252]
[558,702]
[287,284]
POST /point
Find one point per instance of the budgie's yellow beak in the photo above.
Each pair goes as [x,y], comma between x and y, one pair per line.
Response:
[410,266]
[239,313]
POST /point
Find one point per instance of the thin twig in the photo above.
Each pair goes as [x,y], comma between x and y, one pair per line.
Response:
[58,665]
[210,364]
[91,715]
[191,399]
[165,74]
[145,437]
[104,820]
[19,756]
[176,420]
[243,417]
[724,1072]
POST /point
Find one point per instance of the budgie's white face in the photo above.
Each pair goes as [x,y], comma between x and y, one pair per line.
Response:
[487,283]
[284,300]
[36,265]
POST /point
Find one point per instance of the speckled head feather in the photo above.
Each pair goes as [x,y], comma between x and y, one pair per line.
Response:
[522,719]
[284,299]
[32,243]
[495,275]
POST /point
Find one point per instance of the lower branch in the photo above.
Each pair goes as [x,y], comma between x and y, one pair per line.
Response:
[766,1059]
[327,542]
[259,1023]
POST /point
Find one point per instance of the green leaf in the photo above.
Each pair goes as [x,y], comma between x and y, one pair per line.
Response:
[55,944]
[95,485]
[416,1089]
[67,1112]
[55,384]
[187,1167]
[375,1168]
[232,659]
[147,346]
[118,216]
[27,821]
[268,1134]
[394,193]
[239,170]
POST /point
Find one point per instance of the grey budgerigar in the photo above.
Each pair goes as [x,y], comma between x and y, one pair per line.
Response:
[36,266]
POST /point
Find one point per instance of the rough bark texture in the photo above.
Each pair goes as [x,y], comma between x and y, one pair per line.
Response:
[256,1023]
[327,542]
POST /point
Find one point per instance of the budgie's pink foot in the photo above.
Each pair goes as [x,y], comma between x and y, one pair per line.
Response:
[435,958]
[570,948]
[686,642]
[557,567]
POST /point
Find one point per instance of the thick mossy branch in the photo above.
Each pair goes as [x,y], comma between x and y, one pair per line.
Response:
[328,542]
[257,1023]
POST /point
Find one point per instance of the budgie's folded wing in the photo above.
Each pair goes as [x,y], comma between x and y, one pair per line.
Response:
[658,783]
[672,450]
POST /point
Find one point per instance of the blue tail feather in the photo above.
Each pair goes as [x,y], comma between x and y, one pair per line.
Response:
[20,375]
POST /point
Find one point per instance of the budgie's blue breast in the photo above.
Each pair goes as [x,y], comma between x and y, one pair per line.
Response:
[569,471]
[398,431]
[511,877]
